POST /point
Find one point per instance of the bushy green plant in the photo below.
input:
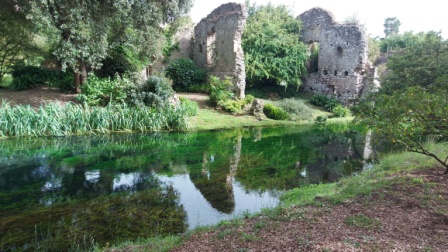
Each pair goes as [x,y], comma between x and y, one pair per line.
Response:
[27,77]
[274,112]
[273,51]
[340,111]
[191,107]
[297,109]
[329,103]
[101,91]
[154,92]
[220,90]
[121,60]
[321,120]
[319,100]
[184,74]
[249,99]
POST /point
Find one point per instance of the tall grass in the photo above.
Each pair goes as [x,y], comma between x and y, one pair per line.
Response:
[74,119]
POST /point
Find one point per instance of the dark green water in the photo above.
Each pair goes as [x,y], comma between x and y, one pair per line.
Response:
[59,193]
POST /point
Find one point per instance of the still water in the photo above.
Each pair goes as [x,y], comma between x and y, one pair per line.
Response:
[62,192]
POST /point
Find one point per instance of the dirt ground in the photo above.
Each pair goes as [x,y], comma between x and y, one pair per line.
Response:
[405,217]
[36,96]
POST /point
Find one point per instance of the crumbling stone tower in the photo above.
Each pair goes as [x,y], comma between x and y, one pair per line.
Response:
[217,44]
[343,69]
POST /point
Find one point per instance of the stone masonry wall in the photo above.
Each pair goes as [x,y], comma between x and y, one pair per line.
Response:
[217,44]
[342,62]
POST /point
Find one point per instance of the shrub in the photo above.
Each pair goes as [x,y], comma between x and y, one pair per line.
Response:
[220,90]
[332,103]
[297,109]
[155,92]
[340,111]
[249,99]
[121,60]
[274,112]
[321,120]
[319,100]
[101,91]
[191,107]
[27,77]
[185,74]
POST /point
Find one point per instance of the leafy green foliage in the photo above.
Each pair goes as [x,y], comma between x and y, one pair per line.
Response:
[273,52]
[401,41]
[424,64]
[102,91]
[88,28]
[340,111]
[412,105]
[191,107]
[297,109]
[27,77]
[16,38]
[274,112]
[121,60]
[391,26]
[185,74]
[220,90]
[154,92]
[331,104]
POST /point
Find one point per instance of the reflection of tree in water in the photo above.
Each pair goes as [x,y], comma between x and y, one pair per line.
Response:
[98,210]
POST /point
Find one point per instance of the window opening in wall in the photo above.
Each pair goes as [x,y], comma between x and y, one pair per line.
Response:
[331,89]
[211,47]
[346,73]
[325,72]
[335,72]
[339,51]
[314,57]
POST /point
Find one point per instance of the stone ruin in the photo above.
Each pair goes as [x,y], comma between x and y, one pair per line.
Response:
[343,68]
[217,44]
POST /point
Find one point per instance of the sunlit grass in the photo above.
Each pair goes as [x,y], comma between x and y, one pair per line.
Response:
[364,183]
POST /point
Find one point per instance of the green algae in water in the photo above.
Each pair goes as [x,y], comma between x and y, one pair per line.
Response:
[59,192]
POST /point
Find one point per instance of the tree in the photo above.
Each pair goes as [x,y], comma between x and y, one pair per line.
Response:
[88,28]
[16,37]
[391,26]
[273,52]
[412,105]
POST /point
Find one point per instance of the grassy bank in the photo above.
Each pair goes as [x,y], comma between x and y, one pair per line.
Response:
[210,119]
[393,171]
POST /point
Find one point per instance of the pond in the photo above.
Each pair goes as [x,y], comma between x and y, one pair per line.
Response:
[66,192]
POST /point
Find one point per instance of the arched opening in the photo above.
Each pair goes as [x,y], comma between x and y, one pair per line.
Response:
[346,73]
[325,72]
[335,72]
[339,51]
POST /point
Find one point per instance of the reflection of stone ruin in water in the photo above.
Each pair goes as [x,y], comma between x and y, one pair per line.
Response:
[343,68]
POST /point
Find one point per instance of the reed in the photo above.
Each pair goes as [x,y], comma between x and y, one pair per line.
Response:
[74,119]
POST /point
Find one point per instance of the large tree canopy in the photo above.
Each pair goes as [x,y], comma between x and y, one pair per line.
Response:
[88,28]
[412,105]
[273,52]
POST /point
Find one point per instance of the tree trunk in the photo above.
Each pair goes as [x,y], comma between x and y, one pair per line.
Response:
[77,82]
[80,76]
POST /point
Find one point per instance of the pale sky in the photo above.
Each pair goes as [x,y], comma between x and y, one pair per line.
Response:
[414,15]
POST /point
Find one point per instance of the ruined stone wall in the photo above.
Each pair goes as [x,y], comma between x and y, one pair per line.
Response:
[342,61]
[217,44]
